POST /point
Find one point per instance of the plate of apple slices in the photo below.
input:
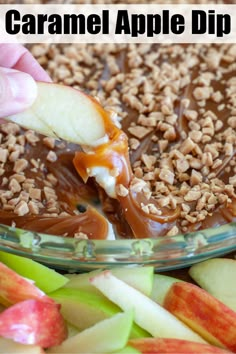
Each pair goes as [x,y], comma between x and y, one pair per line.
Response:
[121,310]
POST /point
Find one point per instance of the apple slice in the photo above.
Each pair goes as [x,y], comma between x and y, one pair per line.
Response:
[161,285]
[147,314]
[206,315]
[14,288]
[33,322]
[10,347]
[54,103]
[71,330]
[104,337]
[128,350]
[218,277]
[45,278]
[140,278]
[169,345]
[82,308]
[91,307]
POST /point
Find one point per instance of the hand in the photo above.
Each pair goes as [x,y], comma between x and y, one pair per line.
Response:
[18,72]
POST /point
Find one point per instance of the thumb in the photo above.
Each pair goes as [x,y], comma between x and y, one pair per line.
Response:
[18,91]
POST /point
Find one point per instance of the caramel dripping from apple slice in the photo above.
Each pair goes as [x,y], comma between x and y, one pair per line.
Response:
[113,155]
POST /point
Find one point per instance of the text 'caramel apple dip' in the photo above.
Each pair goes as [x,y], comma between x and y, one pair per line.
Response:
[171,167]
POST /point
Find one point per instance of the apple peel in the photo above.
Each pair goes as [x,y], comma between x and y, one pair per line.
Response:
[33,322]
[15,288]
[206,315]
[169,345]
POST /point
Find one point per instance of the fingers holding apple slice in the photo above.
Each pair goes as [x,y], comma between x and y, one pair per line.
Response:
[33,322]
[54,104]
[206,315]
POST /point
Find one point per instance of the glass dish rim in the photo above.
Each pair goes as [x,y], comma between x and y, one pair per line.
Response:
[164,253]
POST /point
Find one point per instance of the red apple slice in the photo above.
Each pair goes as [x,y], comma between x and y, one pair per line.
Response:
[206,315]
[33,322]
[14,288]
[169,345]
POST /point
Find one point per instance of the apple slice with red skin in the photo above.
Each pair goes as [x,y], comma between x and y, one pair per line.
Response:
[206,315]
[33,322]
[14,288]
[169,345]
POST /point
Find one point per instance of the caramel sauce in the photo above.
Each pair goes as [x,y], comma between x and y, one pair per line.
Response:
[87,223]
[70,191]
[114,156]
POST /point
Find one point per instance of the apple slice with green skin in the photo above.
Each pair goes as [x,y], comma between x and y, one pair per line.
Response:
[161,285]
[33,322]
[209,275]
[147,313]
[46,279]
[14,288]
[84,309]
[169,345]
[54,103]
[104,337]
[140,278]
[10,347]
[213,320]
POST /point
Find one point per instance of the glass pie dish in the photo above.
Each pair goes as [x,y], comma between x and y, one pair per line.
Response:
[164,253]
[177,106]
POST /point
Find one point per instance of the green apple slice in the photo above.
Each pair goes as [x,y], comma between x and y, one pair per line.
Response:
[128,350]
[45,278]
[218,277]
[82,308]
[161,285]
[61,112]
[91,308]
[140,278]
[104,337]
[10,347]
[147,313]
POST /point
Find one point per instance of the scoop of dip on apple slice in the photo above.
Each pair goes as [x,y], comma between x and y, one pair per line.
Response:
[65,113]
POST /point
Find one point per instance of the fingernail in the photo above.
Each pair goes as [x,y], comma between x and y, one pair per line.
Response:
[23,88]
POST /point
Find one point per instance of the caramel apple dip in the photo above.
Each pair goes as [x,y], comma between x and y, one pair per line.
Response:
[177,105]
